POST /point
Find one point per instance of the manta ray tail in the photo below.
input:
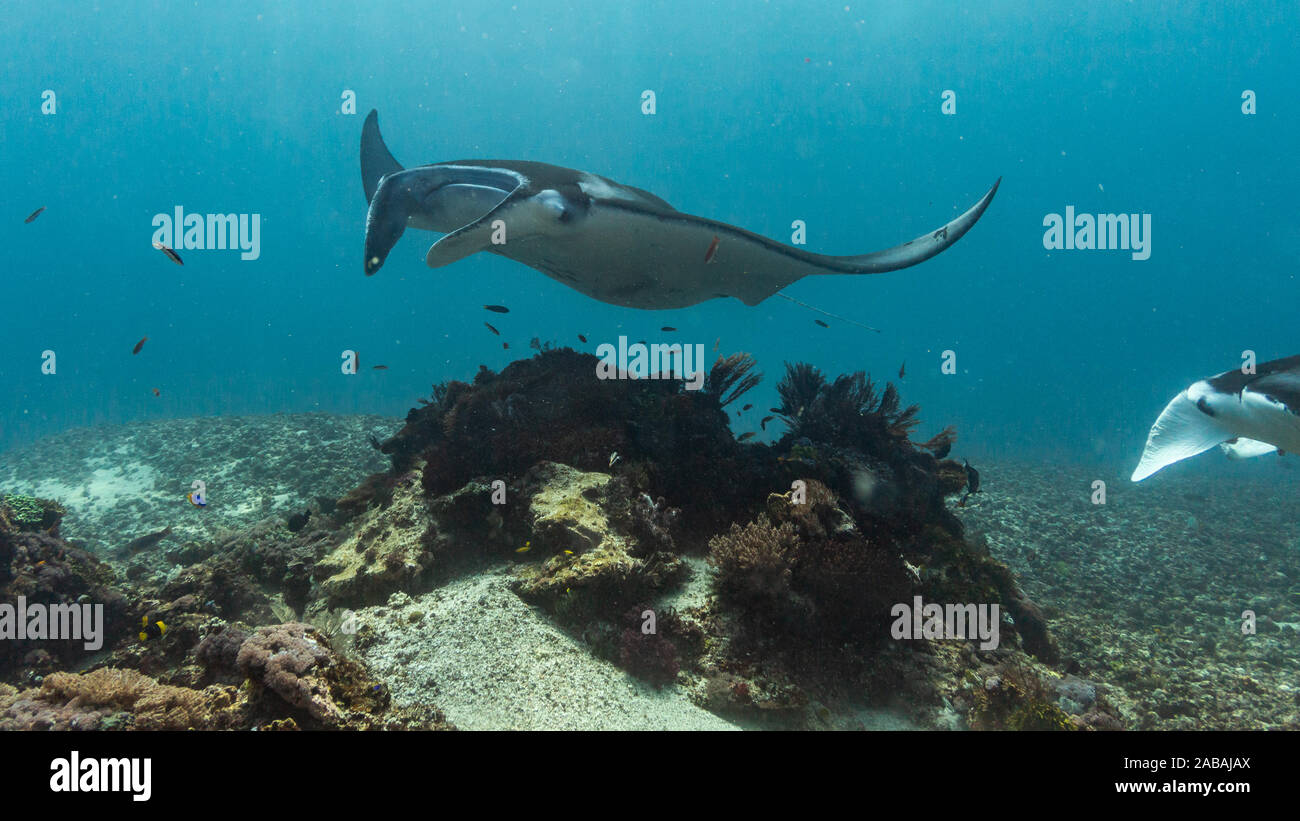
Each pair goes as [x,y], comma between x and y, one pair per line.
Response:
[825,313]
[1182,430]
[376,161]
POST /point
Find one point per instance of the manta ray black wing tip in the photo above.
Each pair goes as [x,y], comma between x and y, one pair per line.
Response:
[376,160]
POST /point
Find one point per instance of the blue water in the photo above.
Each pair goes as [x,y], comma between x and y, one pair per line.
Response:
[766,113]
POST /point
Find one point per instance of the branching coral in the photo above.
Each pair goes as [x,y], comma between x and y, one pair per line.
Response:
[730,377]
[20,512]
[848,410]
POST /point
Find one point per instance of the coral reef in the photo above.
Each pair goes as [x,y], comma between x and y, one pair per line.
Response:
[586,523]
[113,699]
[805,565]
[43,569]
[385,552]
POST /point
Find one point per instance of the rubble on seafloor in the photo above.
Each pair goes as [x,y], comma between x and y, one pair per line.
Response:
[755,583]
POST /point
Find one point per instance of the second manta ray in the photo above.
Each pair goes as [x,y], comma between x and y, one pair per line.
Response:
[612,242]
[1244,414]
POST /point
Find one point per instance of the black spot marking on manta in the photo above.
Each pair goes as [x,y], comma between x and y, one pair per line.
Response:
[1204,407]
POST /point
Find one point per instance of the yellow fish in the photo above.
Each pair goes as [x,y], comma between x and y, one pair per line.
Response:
[151,631]
[568,552]
[527,547]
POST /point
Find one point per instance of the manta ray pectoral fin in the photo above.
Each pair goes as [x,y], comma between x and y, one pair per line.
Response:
[913,252]
[1182,430]
[469,239]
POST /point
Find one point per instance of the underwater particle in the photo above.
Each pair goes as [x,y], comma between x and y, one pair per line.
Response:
[865,484]
[582,339]
[713,250]
[749,434]
[528,545]
[492,329]
[819,322]
[151,630]
[668,329]
[146,541]
[139,345]
[172,255]
[379,367]
[34,214]
[298,521]
[902,369]
[497,309]
[762,423]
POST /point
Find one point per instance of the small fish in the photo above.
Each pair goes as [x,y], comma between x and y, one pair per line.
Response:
[668,329]
[298,521]
[819,322]
[493,330]
[613,457]
[151,630]
[497,309]
[972,483]
[172,255]
[505,346]
[902,369]
[716,343]
[379,367]
[943,450]
[157,392]
[749,434]
[196,499]
[568,552]
[713,250]
[747,407]
[139,345]
[35,214]
[527,547]
[146,541]
[762,423]
[582,339]
[374,443]
[775,410]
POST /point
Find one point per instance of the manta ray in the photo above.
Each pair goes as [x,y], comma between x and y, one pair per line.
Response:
[1245,414]
[612,242]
